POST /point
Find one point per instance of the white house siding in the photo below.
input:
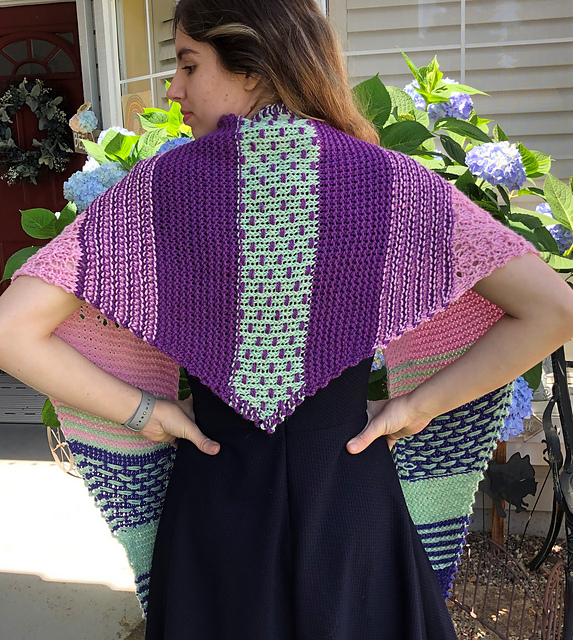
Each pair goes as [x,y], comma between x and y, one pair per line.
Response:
[518,51]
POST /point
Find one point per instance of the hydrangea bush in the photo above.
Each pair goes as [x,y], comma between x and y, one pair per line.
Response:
[116,151]
[433,120]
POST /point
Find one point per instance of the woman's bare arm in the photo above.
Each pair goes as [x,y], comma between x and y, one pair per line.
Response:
[538,319]
[30,310]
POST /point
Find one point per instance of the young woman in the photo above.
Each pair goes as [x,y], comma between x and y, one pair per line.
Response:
[271,257]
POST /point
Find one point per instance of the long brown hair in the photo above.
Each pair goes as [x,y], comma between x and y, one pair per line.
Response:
[290,45]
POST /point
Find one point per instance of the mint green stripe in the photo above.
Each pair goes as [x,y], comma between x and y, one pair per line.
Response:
[295,315]
[426,498]
[445,537]
[429,360]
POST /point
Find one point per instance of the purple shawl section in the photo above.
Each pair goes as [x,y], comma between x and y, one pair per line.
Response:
[168,253]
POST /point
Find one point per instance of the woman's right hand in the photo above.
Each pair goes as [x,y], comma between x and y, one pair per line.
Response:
[393,419]
[172,420]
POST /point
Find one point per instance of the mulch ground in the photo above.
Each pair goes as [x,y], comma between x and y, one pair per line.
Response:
[505,606]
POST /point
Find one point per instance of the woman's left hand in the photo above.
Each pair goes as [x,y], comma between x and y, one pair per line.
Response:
[391,418]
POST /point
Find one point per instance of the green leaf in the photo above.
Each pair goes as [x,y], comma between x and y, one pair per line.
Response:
[434,163]
[434,75]
[175,119]
[465,180]
[529,161]
[67,216]
[375,100]
[533,376]
[16,260]
[557,262]
[461,128]
[464,88]
[546,240]
[481,123]
[524,232]
[95,151]
[154,118]
[401,101]
[499,135]
[544,162]
[39,223]
[119,146]
[404,136]
[378,385]
[184,388]
[412,66]
[531,191]
[560,199]
[421,116]
[49,416]
[453,149]
[531,219]
[149,143]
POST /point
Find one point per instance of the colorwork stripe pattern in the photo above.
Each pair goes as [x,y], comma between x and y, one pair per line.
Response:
[266,258]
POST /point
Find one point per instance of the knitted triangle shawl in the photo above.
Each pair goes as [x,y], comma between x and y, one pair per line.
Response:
[266,258]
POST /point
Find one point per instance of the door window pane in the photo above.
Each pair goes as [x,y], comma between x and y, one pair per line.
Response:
[5,67]
[41,49]
[17,50]
[32,68]
[67,36]
[61,63]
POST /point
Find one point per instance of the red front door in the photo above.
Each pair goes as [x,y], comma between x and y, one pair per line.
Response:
[37,41]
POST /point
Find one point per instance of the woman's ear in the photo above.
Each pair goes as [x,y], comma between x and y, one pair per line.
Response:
[251,81]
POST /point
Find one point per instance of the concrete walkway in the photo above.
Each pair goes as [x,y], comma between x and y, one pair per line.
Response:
[62,575]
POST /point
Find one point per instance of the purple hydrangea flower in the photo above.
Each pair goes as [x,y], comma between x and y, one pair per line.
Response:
[497,163]
[83,187]
[519,410]
[87,121]
[459,105]
[419,102]
[562,236]
[173,143]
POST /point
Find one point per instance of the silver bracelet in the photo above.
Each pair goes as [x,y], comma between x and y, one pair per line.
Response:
[142,414]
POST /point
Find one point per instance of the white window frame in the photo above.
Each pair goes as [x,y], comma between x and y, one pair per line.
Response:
[341,10]
[108,62]
[109,58]
[149,76]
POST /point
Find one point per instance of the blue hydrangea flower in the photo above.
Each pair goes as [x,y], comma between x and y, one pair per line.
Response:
[459,105]
[173,143]
[378,361]
[519,410]
[419,102]
[562,236]
[87,121]
[83,187]
[497,163]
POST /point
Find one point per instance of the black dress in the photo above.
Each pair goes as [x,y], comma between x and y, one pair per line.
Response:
[288,536]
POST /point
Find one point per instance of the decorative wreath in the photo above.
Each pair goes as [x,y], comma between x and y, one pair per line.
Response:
[53,152]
